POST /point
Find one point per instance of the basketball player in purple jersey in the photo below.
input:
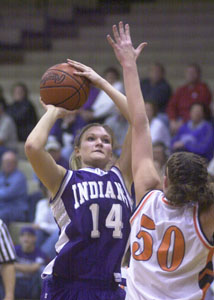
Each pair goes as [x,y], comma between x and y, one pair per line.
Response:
[91,205]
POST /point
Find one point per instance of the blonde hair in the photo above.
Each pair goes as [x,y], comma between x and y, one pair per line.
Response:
[75,161]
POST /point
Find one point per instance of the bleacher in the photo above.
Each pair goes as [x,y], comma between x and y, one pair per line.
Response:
[177,33]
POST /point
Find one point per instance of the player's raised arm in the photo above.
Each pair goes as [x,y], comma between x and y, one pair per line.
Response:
[124,161]
[42,162]
[144,172]
[101,83]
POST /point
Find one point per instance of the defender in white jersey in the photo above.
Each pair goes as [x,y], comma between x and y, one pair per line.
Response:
[171,239]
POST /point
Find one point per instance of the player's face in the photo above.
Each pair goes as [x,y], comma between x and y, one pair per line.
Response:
[96,148]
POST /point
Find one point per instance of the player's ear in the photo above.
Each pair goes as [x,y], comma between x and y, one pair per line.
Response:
[165,182]
[77,151]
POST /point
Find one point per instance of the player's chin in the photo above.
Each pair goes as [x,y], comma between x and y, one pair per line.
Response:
[99,158]
[98,155]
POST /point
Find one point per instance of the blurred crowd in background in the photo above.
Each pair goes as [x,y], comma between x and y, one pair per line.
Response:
[180,120]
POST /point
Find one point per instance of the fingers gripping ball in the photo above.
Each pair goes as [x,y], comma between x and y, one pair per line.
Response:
[61,87]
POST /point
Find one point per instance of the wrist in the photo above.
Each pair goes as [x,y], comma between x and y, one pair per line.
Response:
[53,111]
[129,64]
[101,83]
[9,296]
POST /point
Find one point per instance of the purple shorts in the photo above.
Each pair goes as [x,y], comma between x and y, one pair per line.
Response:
[55,288]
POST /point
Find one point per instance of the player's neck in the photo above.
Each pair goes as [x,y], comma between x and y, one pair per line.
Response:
[94,165]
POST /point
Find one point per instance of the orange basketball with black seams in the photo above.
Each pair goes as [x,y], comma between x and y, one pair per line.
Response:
[61,87]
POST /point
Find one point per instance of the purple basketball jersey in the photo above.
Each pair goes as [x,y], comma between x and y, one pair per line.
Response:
[92,209]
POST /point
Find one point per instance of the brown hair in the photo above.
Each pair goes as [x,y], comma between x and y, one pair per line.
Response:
[75,162]
[188,180]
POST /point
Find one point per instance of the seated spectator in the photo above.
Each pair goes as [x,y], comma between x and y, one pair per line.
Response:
[65,130]
[159,131]
[29,266]
[7,259]
[8,132]
[160,156]
[54,148]
[193,91]
[196,135]
[13,190]
[119,125]
[22,111]
[103,106]
[47,230]
[155,88]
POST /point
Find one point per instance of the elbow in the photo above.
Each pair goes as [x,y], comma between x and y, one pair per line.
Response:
[31,147]
[140,120]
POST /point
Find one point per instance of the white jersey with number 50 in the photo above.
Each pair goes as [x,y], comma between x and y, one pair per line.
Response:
[170,256]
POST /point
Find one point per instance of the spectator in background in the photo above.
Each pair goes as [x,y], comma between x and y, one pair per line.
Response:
[7,259]
[29,266]
[160,156]
[103,106]
[196,135]
[2,98]
[8,133]
[193,91]
[54,148]
[22,111]
[159,131]
[13,190]
[155,88]
[65,130]
[44,223]
[119,125]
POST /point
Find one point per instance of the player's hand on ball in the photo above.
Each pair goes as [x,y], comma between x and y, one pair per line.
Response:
[122,44]
[61,112]
[85,71]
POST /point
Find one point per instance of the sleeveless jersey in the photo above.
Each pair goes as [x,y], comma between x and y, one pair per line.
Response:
[92,209]
[170,256]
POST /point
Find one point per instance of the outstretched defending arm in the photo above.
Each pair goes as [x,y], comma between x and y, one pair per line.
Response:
[124,161]
[145,175]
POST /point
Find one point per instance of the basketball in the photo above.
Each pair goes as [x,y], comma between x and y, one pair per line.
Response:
[61,87]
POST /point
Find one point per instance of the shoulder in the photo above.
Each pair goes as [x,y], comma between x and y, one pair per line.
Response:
[147,199]
[203,85]
[18,249]
[42,203]
[40,254]
[208,124]
[181,89]
[19,174]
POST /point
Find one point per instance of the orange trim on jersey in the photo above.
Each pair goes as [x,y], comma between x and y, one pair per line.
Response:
[200,235]
[165,201]
[140,207]
[168,203]
[207,271]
